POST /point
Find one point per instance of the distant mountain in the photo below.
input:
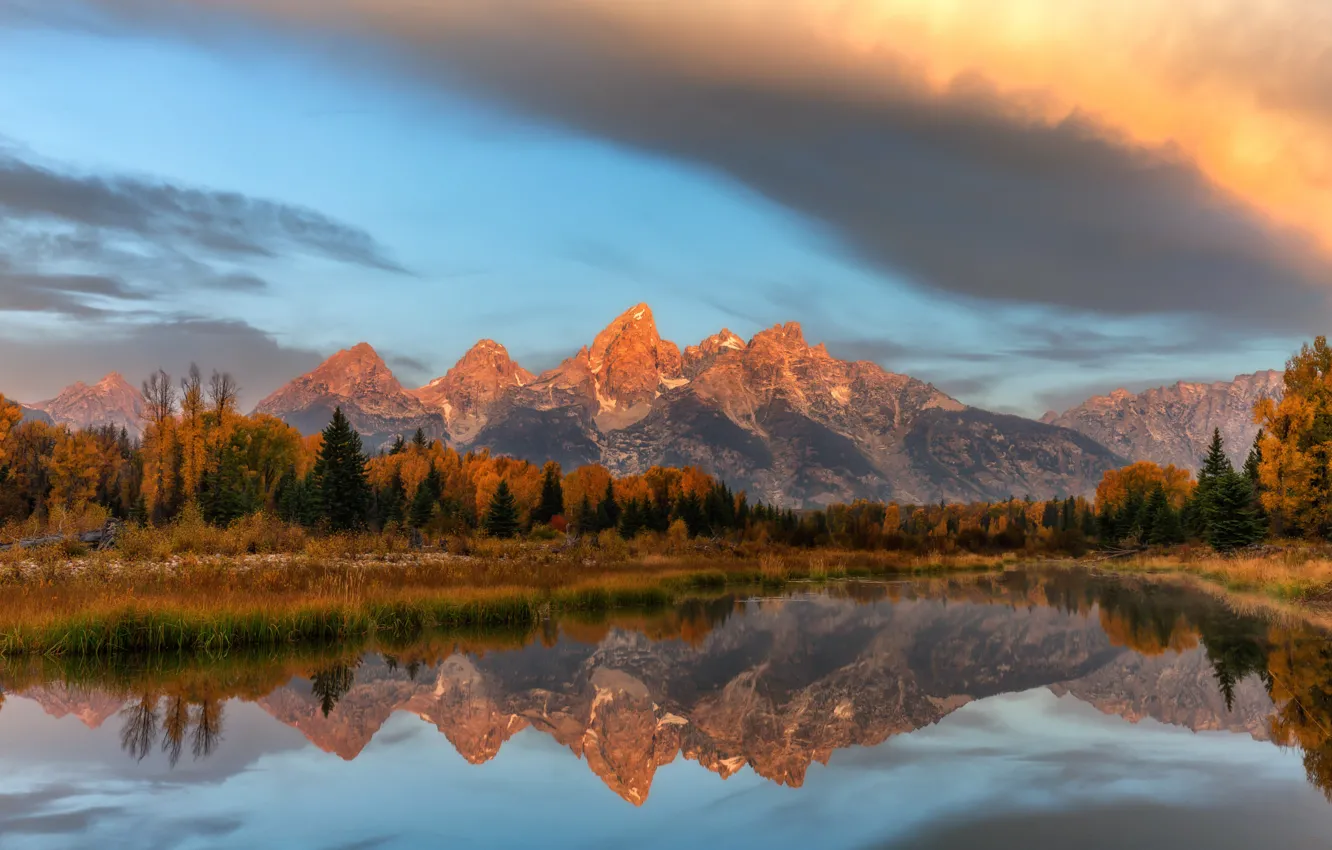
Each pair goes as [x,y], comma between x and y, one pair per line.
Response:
[358,381]
[794,425]
[1174,424]
[111,401]
[30,414]
[471,390]
[774,415]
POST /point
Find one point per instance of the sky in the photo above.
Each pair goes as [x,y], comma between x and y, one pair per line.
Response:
[1025,202]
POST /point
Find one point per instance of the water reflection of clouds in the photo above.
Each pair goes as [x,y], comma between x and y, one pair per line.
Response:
[1027,768]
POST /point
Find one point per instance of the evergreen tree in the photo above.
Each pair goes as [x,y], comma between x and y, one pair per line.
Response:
[585,516]
[393,501]
[1050,516]
[690,509]
[1232,521]
[1254,462]
[419,439]
[225,496]
[1165,528]
[1215,466]
[502,515]
[298,499]
[608,511]
[399,446]
[632,520]
[339,473]
[552,495]
[426,499]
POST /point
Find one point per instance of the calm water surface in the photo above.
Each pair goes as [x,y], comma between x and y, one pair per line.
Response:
[1029,710]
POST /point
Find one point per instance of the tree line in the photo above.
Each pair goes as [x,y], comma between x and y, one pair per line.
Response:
[197,452]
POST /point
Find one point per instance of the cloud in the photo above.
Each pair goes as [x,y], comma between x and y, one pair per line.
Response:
[194,221]
[62,294]
[259,361]
[978,171]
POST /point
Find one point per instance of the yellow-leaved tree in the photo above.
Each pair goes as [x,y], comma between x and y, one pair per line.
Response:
[1139,480]
[10,414]
[76,469]
[1295,476]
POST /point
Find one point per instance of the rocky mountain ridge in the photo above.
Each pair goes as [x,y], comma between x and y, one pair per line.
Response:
[1174,424]
[774,415]
[111,401]
[360,382]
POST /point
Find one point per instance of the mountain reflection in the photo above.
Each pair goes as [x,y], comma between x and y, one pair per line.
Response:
[772,684]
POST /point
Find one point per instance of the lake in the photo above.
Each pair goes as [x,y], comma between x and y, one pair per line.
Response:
[1028,709]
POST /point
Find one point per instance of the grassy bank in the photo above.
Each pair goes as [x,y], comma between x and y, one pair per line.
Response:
[62,602]
[1297,574]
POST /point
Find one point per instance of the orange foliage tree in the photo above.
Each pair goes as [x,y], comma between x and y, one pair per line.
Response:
[1141,479]
[1295,476]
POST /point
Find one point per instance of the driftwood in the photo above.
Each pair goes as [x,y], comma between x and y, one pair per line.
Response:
[1115,554]
[103,538]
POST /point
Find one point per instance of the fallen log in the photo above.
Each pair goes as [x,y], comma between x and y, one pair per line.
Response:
[103,538]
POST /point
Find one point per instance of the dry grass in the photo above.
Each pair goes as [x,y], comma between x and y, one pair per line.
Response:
[1298,574]
[190,586]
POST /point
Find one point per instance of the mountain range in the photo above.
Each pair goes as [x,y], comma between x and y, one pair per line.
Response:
[773,415]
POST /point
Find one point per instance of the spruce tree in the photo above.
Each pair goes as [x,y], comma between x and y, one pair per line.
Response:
[632,520]
[552,495]
[344,491]
[585,517]
[1215,466]
[1165,529]
[419,439]
[393,501]
[502,515]
[1232,520]
[225,497]
[425,500]
[608,512]
[1253,464]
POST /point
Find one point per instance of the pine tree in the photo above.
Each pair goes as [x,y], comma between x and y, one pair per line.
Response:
[1215,466]
[1165,528]
[225,497]
[1254,462]
[585,517]
[1050,515]
[690,509]
[343,489]
[419,439]
[608,511]
[426,499]
[632,521]
[393,501]
[552,495]
[1232,520]
[502,515]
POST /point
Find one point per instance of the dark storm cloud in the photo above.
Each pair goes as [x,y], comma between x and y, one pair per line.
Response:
[963,198]
[961,192]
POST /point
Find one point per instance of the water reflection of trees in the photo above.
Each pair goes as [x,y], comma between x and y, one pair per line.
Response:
[173,719]
[333,683]
[179,709]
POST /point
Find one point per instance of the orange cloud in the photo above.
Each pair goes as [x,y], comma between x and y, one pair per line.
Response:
[1242,87]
